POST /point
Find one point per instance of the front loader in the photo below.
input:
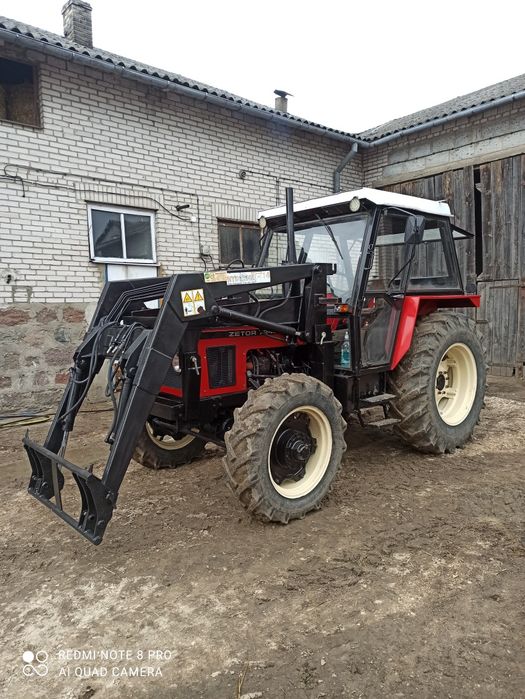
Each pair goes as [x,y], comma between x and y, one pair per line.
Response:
[249,358]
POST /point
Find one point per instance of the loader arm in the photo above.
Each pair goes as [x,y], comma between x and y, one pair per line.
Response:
[144,356]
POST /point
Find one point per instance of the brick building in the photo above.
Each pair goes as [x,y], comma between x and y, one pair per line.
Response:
[111,169]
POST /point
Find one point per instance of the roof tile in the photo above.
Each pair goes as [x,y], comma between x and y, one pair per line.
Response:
[453,106]
[424,116]
[134,66]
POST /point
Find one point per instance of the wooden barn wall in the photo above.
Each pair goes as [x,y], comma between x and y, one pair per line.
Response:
[501,284]
[502,214]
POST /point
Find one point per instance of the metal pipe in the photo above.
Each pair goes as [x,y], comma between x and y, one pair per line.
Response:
[194,93]
[291,256]
[228,314]
[339,169]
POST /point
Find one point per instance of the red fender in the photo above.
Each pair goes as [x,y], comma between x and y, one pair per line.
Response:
[415,306]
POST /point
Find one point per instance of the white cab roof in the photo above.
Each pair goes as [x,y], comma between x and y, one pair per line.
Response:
[376,196]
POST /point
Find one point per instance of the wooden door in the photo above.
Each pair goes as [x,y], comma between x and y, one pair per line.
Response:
[499,324]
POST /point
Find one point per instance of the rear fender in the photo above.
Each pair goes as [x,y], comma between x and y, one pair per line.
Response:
[416,306]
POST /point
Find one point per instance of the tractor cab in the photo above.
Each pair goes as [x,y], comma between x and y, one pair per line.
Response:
[383,246]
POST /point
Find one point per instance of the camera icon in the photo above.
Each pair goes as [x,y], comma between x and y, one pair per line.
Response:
[40,668]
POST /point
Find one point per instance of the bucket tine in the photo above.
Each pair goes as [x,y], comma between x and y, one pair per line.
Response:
[56,489]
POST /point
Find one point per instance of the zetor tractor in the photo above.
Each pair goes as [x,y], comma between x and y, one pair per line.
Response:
[348,308]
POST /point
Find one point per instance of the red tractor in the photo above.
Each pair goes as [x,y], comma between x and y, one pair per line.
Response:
[348,308]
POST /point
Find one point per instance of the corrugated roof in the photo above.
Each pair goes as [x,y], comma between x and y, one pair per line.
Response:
[126,64]
[454,106]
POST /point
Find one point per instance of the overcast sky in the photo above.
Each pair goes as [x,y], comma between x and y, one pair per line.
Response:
[349,65]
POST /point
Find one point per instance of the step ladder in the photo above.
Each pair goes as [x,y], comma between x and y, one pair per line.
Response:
[380,400]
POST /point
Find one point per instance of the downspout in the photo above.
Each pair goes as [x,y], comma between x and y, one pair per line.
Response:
[344,162]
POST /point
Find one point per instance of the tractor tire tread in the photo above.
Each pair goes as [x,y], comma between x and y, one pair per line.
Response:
[250,428]
[409,383]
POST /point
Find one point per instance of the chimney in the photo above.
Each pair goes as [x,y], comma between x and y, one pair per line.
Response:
[77,22]
[281,100]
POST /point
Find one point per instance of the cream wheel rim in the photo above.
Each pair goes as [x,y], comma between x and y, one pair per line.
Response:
[456,384]
[167,442]
[315,467]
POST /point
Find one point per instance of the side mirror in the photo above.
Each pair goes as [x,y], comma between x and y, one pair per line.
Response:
[414,230]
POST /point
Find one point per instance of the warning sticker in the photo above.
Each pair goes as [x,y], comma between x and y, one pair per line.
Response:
[193,302]
[248,277]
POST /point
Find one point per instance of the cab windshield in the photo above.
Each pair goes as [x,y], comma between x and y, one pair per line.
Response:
[338,241]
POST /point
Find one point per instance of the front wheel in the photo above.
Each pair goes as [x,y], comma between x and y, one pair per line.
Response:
[285,447]
[158,451]
[440,384]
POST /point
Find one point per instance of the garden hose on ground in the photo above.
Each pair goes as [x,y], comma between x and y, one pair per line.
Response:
[23,419]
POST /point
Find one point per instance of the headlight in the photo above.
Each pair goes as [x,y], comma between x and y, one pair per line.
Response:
[262,222]
[355,204]
[175,363]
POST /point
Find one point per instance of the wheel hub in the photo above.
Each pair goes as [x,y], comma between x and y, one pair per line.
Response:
[291,451]
[441,382]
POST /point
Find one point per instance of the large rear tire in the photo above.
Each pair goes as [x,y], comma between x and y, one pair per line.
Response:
[161,451]
[285,447]
[440,384]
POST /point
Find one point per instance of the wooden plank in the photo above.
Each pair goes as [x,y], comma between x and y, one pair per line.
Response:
[498,321]
[469,224]
[521,219]
[521,333]
[483,325]
[486,220]
[513,205]
[463,196]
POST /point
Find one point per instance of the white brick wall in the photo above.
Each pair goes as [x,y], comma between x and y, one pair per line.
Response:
[111,140]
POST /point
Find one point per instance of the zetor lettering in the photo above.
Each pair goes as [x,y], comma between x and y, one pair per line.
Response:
[351,305]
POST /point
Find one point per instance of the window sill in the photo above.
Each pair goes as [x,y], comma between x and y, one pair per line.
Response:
[113,261]
[36,127]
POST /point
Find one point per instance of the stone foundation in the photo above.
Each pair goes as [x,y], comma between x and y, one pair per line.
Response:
[37,342]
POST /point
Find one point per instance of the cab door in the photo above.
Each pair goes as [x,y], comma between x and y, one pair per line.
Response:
[395,237]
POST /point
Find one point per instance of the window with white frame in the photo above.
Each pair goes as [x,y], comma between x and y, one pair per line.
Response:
[121,235]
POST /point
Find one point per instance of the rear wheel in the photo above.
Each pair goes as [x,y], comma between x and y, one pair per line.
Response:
[440,384]
[285,447]
[163,451]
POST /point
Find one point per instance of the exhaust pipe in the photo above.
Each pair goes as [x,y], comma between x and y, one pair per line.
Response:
[291,256]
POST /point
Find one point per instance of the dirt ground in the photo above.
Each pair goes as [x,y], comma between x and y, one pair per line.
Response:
[408,583]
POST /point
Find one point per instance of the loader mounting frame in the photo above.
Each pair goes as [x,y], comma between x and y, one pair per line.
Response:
[144,363]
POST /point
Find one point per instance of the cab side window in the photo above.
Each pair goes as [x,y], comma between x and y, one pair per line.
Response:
[432,267]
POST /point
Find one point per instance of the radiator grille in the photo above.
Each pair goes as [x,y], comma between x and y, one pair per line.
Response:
[221,366]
